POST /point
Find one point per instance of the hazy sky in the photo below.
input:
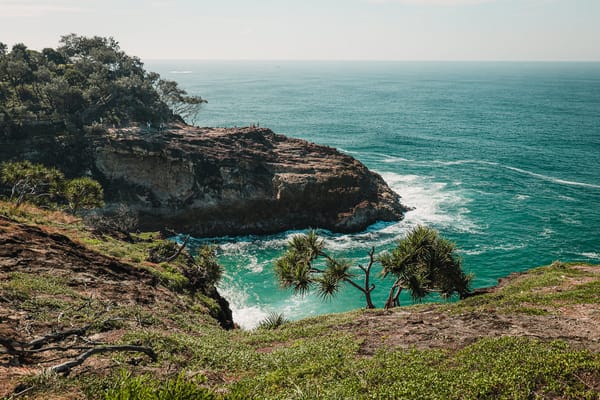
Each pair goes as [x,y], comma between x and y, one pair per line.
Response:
[317,29]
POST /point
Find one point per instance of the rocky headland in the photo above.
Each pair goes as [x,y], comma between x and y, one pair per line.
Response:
[221,181]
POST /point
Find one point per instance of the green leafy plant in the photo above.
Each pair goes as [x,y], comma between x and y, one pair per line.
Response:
[83,193]
[143,387]
[31,182]
[273,321]
[422,262]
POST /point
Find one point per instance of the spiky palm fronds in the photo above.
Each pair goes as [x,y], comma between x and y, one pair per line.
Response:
[273,321]
[423,262]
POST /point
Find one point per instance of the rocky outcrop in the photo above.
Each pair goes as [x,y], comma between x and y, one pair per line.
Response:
[217,181]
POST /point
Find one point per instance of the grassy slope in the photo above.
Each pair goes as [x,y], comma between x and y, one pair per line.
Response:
[537,336]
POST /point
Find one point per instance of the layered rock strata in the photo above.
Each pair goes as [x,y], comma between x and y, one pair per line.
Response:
[238,181]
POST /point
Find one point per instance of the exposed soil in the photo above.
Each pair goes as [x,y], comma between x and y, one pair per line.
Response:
[97,285]
[430,328]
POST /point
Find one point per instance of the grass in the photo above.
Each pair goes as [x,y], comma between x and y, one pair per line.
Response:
[308,359]
[541,291]
[22,286]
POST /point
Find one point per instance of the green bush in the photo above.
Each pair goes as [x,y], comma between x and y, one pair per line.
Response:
[31,182]
[83,193]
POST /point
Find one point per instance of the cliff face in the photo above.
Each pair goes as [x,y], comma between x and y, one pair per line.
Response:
[216,181]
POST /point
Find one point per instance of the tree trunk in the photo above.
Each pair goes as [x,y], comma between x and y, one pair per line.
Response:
[392,300]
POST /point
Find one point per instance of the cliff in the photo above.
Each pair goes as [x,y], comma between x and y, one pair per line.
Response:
[64,291]
[217,181]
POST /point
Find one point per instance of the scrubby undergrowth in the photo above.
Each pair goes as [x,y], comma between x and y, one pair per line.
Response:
[536,336]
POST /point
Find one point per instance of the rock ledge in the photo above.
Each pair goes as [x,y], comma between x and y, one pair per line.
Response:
[238,181]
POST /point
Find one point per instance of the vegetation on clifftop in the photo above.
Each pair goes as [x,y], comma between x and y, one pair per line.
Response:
[84,81]
[536,336]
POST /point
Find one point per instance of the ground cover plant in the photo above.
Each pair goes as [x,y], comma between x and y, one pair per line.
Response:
[535,336]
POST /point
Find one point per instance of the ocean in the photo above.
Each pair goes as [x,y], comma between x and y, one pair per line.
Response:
[502,158]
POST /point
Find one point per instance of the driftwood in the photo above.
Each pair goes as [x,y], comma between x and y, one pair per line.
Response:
[67,366]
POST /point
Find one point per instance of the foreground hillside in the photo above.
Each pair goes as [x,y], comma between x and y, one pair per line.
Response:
[535,336]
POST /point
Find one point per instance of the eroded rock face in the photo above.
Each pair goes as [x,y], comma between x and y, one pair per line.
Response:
[217,181]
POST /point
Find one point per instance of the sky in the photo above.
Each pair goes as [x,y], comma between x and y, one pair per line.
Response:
[505,30]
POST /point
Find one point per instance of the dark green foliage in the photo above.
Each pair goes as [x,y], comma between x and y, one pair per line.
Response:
[46,186]
[162,251]
[83,193]
[423,262]
[202,271]
[273,321]
[31,182]
[85,81]
[297,269]
[205,270]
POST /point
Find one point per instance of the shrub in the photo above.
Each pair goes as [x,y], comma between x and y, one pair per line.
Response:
[143,387]
[273,321]
[83,193]
[31,182]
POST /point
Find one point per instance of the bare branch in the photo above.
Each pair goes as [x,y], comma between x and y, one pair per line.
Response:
[67,366]
[174,256]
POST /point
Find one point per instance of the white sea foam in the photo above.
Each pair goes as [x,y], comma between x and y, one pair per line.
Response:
[181,72]
[435,203]
[486,249]
[551,178]
[566,198]
[547,232]
[567,219]
[521,197]
[392,159]
[595,256]
[245,315]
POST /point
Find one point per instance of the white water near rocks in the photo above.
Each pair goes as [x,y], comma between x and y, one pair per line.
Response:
[502,158]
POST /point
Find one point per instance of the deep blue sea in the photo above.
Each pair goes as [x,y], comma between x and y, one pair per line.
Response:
[502,158]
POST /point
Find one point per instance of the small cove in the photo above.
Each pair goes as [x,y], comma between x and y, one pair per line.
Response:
[502,158]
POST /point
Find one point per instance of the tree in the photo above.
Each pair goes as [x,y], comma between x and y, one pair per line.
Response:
[31,182]
[178,100]
[422,263]
[204,271]
[84,81]
[297,270]
[83,193]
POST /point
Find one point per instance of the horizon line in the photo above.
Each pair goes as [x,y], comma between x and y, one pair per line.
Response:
[373,60]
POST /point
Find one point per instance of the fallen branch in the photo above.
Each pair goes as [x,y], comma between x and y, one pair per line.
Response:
[67,366]
[57,336]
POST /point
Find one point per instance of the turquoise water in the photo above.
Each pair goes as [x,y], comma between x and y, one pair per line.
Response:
[503,158]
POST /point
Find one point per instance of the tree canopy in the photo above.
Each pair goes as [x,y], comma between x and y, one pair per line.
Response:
[422,262]
[85,80]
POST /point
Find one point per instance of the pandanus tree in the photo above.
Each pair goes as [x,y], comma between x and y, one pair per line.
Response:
[297,269]
[422,263]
